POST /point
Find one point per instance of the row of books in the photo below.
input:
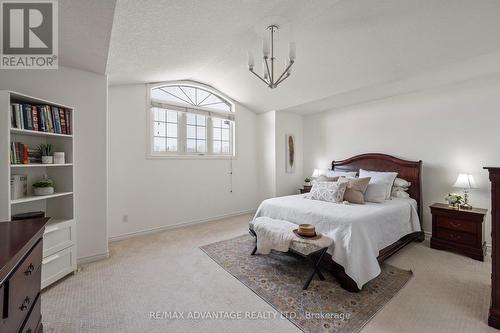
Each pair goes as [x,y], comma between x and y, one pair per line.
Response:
[43,118]
[20,153]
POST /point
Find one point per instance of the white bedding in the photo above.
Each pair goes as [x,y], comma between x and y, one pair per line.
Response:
[359,231]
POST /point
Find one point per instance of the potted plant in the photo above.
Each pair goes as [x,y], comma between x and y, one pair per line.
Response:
[307,181]
[46,152]
[454,200]
[43,187]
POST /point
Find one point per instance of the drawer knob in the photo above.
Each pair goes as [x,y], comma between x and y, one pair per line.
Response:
[22,307]
[454,236]
[30,269]
[455,225]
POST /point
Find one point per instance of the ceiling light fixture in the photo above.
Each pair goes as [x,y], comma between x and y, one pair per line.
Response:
[268,68]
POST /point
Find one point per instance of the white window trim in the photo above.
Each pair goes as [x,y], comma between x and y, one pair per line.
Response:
[152,155]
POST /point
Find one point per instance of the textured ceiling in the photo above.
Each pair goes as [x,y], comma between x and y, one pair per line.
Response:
[84,33]
[344,48]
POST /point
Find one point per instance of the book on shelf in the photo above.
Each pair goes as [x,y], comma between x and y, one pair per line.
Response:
[21,153]
[41,118]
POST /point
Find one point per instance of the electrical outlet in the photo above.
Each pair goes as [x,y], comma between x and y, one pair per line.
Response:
[125,218]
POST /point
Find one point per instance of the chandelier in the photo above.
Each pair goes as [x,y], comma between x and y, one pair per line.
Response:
[268,76]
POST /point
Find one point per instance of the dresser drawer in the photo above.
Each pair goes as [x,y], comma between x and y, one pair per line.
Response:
[32,322]
[454,224]
[456,236]
[24,286]
[58,236]
[58,265]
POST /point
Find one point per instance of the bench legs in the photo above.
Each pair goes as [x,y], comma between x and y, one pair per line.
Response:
[316,263]
[255,235]
[316,270]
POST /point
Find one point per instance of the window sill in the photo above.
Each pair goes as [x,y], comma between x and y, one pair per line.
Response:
[191,157]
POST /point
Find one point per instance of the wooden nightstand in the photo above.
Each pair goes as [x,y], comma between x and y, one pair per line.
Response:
[305,189]
[458,230]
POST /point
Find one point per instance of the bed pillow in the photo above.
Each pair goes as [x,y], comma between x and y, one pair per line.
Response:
[400,182]
[356,188]
[400,194]
[324,179]
[377,177]
[346,174]
[328,191]
[375,192]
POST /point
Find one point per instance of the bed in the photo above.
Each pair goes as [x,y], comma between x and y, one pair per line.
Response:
[364,235]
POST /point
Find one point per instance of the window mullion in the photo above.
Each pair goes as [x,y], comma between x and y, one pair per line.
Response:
[182,133]
[209,136]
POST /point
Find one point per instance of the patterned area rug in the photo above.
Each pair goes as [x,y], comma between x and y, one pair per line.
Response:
[324,307]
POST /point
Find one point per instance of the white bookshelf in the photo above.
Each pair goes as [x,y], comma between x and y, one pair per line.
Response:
[60,248]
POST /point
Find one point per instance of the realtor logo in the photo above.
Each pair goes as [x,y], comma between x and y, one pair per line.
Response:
[29,34]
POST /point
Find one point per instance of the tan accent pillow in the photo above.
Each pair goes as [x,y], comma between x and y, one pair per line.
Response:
[356,189]
[323,178]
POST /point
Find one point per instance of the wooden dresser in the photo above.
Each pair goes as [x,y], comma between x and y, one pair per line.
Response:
[458,230]
[494,316]
[20,275]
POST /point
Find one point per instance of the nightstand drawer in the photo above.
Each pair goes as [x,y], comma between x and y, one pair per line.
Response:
[456,236]
[454,224]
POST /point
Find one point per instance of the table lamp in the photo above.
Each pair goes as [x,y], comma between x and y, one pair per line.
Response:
[316,173]
[465,182]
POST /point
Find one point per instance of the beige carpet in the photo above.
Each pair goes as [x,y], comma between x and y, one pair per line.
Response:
[168,272]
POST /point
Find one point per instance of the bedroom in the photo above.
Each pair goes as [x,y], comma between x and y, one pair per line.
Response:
[151,196]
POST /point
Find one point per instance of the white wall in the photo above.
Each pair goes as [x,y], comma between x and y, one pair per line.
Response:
[87,92]
[266,141]
[159,193]
[288,183]
[451,129]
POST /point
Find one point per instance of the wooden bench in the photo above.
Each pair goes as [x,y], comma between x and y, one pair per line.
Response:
[302,248]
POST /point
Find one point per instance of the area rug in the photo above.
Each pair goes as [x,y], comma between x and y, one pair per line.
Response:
[278,278]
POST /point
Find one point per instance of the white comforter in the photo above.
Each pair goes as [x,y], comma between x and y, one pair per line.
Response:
[359,231]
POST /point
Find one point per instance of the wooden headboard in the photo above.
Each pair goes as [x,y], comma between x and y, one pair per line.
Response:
[408,170]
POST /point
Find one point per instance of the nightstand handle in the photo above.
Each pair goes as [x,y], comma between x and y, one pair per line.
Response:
[455,225]
[454,236]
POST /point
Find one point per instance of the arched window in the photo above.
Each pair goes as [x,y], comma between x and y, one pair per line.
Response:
[190,119]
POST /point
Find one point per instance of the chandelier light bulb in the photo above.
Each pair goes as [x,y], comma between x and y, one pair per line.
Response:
[291,51]
[265,47]
[251,61]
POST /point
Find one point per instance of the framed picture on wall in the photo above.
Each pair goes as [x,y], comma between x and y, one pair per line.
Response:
[290,153]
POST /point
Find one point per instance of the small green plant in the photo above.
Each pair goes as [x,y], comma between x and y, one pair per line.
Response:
[454,199]
[46,149]
[307,180]
[43,183]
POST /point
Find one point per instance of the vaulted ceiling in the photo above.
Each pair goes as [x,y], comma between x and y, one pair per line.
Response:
[348,51]
[85,33]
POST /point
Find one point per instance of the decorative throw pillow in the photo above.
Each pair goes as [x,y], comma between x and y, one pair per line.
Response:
[346,174]
[375,192]
[328,191]
[356,189]
[377,177]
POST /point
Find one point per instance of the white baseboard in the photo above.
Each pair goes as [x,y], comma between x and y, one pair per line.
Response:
[92,258]
[428,236]
[175,226]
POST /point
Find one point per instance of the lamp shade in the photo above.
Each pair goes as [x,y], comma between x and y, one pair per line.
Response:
[316,173]
[465,181]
